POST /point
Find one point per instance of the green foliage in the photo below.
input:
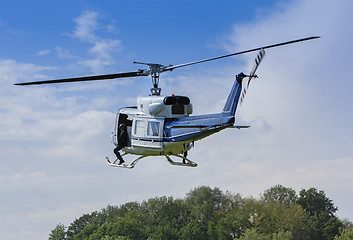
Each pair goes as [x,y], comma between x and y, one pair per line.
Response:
[193,230]
[252,234]
[206,204]
[347,234]
[280,194]
[58,233]
[316,202]
[346,224]
[282,236]
[275,217]
[88,221]
[323,224]
[207,213]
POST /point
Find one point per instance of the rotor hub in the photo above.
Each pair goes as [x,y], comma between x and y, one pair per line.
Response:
[155,70]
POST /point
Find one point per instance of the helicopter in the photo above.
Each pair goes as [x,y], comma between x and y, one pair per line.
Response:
[161,125]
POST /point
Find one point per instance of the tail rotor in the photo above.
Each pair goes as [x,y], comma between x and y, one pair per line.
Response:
[252,74]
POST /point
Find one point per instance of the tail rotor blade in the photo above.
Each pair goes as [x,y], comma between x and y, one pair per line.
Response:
[252,74]
[258,59]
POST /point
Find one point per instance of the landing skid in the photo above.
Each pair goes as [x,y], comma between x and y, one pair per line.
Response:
[186,162]
[131,165]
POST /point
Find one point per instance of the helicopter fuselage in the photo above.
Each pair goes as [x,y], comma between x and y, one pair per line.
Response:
[162,125]
[150,135]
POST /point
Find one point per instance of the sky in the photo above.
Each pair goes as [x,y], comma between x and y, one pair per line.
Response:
[54,139]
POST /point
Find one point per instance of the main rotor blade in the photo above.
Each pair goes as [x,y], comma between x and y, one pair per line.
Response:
[238,53]
[89,78]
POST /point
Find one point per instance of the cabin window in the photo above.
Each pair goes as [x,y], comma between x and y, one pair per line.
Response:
[139,128]
[153,128]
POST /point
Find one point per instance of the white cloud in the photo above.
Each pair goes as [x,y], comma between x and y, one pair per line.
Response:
[96,65]
[64,53]
[37,115]
[43,52]
[37,224]
[44,137]
[12,72]
[103,48]
[86,26]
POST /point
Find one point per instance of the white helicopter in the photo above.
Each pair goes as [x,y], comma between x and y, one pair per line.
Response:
[162,125]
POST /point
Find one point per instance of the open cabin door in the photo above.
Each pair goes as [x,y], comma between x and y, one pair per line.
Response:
[147,132]
[122,122]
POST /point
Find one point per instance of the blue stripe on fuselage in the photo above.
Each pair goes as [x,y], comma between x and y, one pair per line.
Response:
[197,127]
[181,129]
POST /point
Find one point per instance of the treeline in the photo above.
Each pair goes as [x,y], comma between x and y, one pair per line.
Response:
[207,213]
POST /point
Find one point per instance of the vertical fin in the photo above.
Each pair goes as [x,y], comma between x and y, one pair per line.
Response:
[234,95]
[238,92]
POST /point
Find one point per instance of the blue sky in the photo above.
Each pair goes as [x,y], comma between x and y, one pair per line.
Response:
[54,139]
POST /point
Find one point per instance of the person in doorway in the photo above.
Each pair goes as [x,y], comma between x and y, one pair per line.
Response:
[122,139]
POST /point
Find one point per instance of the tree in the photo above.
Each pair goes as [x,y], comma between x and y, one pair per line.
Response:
[237,220]
[276,217]
[163,210]
[208,213]
[86,232]
[252,234]
[346,224]
[347,234]
[323,223]
[314,201]
[87,220]
[132,225]
[207,204]
[58,233]
[280,194]
[282,236]
[193,230]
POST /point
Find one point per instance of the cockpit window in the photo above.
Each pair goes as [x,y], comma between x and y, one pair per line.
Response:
[153,128]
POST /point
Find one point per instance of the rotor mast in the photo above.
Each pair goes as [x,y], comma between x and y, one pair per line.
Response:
[155,71]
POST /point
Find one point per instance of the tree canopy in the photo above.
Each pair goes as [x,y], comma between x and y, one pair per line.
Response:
[210,213]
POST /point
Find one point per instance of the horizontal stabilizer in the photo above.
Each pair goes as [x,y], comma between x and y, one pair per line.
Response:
[240,126]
